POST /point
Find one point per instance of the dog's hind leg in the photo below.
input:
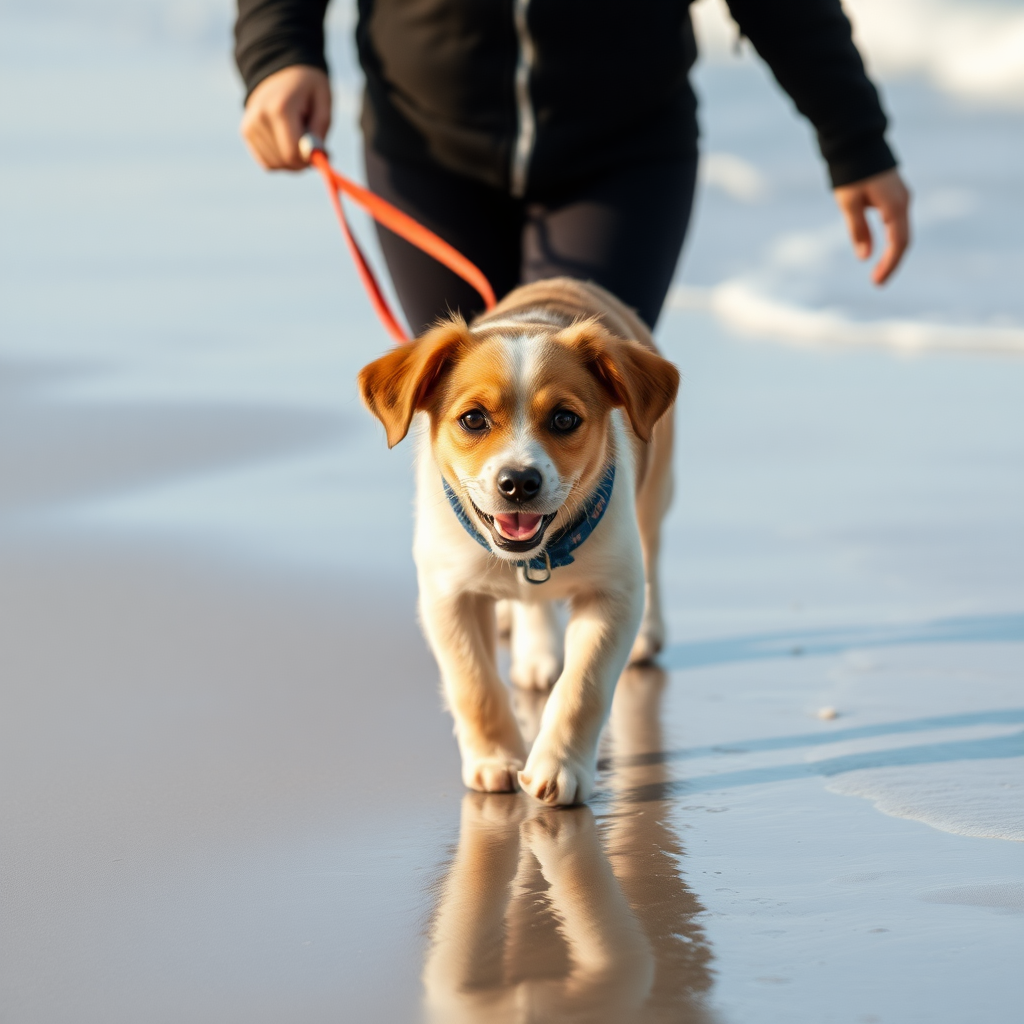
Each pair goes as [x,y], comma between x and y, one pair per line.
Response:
[503,615]
[536,645]
[652,503]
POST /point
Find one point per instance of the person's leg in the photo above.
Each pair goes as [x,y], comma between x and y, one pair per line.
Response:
[623,229]
[484,224]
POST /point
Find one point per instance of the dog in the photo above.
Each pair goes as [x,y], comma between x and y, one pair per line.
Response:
[543,474]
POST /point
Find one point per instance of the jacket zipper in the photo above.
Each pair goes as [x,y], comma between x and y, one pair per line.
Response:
[526,131]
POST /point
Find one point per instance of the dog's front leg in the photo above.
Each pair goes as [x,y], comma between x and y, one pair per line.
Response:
[461,631]
[563,762]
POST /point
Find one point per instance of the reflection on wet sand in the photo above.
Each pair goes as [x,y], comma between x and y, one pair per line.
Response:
[558,915]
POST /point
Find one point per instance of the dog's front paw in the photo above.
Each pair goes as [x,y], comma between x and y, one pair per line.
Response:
[557,780]
[495,773]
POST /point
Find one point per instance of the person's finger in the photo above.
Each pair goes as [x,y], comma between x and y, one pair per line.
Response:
[319,116]
[853,206]
[260,140]
[257,130]
[288,125]
[247,129]
[280,110]
[897,232]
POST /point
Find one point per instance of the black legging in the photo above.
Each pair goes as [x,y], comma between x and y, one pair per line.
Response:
[623,228]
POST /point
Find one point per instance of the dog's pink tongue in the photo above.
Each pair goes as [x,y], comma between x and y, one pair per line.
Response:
[518,525]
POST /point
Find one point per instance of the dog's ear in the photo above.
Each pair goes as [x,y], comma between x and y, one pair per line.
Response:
[398,385]
[636,378]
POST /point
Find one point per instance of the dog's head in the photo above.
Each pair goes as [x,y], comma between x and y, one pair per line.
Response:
[519,417]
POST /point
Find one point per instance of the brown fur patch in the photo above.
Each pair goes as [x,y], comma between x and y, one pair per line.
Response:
[481,380]
[400,383]
[635,378]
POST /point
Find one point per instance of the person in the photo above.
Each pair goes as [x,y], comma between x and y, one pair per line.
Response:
[550,138]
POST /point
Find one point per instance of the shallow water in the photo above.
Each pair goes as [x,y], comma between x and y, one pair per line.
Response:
[231,792]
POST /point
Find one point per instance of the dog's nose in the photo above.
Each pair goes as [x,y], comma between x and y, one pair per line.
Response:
[519,484]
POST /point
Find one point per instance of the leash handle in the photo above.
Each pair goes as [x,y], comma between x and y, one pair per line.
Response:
[312,149]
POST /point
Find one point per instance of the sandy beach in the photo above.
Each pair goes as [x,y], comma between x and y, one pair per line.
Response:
[811,810]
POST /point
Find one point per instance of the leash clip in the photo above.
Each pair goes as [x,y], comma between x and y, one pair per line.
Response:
[310,144]
[547,568]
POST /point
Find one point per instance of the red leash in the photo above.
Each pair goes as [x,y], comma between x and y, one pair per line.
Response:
[312,149]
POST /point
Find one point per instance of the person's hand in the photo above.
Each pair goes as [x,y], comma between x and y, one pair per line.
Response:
[280,110]
[891,198]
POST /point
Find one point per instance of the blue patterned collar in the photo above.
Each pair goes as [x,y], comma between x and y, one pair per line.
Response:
[558,551]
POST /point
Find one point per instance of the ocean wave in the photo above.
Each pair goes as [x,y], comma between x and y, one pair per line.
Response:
[743,307]
[974,50]
[737,178]
[984,799]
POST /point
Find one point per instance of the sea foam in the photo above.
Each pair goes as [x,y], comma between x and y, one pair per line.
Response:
[968,798]
[969,49]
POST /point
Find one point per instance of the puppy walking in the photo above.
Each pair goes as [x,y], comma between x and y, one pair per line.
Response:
[543,474]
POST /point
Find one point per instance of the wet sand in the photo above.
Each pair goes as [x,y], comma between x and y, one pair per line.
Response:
[230,790]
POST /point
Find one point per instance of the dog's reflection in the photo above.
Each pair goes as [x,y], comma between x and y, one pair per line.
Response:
[554,915]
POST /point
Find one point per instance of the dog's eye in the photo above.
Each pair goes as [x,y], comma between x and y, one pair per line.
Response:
[563,421]
[473,420]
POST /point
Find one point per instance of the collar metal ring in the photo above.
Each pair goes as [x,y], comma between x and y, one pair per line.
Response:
[547,570]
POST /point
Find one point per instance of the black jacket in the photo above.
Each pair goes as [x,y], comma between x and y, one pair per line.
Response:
[531,94]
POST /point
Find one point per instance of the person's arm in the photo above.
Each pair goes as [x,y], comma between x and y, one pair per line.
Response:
[279,49]
[808,44]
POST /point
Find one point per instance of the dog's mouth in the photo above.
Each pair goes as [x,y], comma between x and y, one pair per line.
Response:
[515,531]
[517,525]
